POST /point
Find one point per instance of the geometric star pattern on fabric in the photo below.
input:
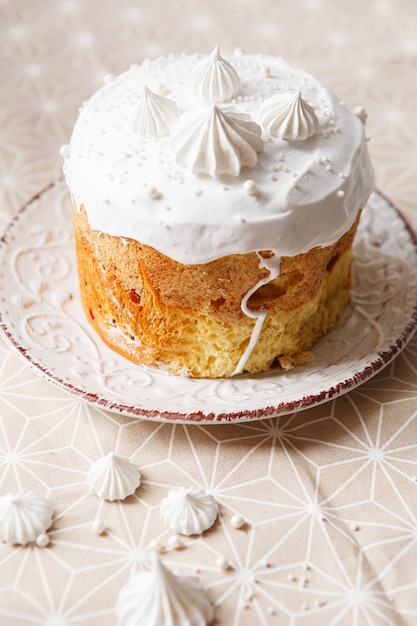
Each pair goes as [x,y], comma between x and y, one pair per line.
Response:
[328,495]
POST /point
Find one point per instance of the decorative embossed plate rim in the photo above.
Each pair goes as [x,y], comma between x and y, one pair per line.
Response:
[42,318]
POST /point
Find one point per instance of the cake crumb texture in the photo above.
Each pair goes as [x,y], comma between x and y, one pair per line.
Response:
[188,319]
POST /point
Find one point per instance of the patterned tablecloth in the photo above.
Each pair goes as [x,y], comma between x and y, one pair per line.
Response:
[328,494]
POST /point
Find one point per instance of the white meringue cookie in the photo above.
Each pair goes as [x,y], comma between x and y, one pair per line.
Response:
[160,598]
[288,116]
[113,478]
[189,511]
[214,142]
[215,79]
[155,116]
[23,517]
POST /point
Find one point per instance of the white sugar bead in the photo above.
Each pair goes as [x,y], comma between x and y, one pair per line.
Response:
[153,192]
[222,563]
[42,540]
[174,542]
[250,188]
[159,88]
[64,151]
[237,521]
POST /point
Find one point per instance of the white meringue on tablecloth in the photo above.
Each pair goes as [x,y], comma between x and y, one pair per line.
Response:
[23,517]
[161,598]
[113,477]
[188,511]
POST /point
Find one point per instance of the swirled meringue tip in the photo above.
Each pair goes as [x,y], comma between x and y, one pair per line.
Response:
[288,116]
[24,517]
[113,477]
[214,79]
[215,142]
[189,511]
[160,598]
[155,115]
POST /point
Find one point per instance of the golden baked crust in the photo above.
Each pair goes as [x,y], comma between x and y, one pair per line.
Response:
[187,319]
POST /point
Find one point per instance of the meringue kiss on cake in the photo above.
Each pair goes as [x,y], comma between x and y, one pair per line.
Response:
[215,202]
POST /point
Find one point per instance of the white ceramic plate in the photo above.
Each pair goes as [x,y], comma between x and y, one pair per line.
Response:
[42,317]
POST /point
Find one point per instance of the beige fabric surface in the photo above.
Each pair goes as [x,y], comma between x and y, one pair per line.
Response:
[329,494]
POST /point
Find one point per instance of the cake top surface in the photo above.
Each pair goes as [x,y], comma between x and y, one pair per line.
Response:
[201,156]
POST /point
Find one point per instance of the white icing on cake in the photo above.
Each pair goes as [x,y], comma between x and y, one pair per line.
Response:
[272,264]
[24,517]
[113,477]
[189,511]
[195,218]
[161,598]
